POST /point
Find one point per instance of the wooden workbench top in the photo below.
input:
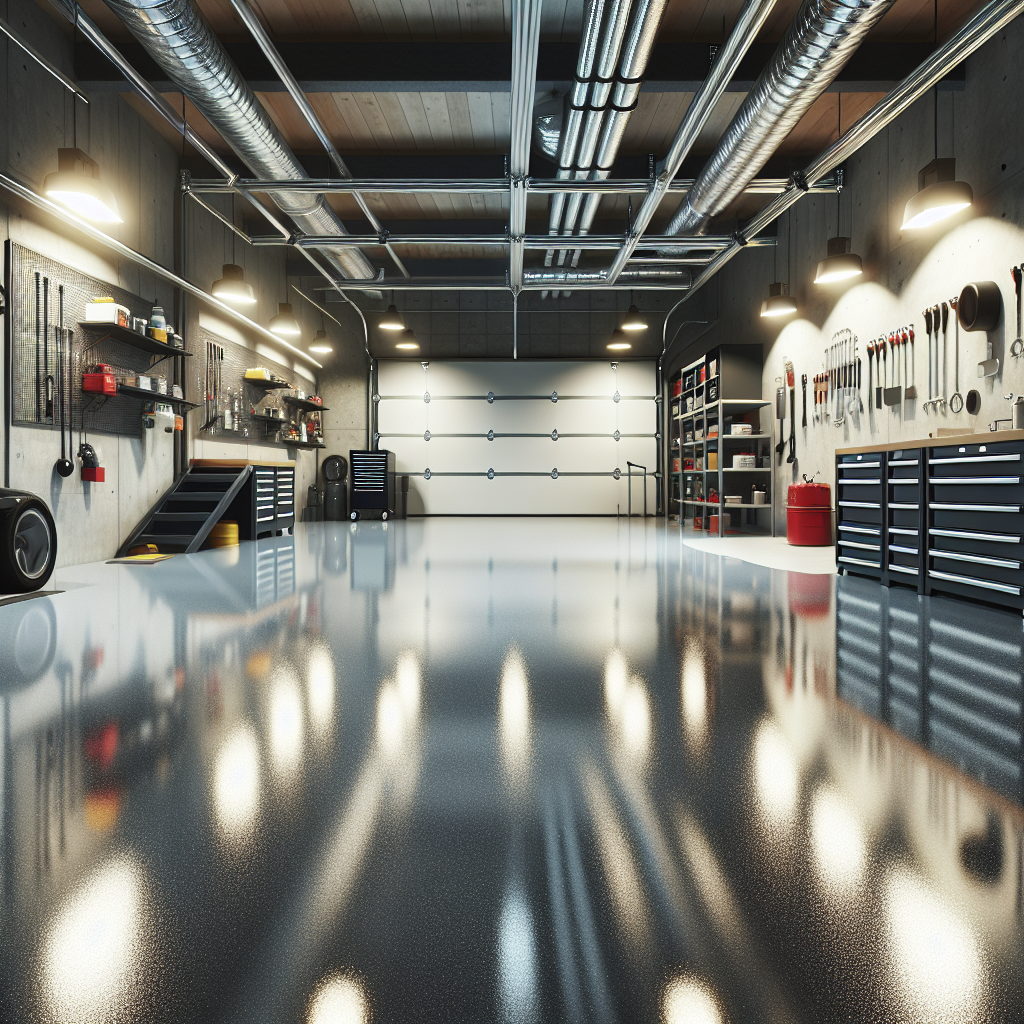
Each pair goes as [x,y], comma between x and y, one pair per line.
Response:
[236,463]
[985,437]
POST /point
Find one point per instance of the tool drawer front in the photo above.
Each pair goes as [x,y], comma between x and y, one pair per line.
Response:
[859,513]
[978,473]
[903,475]
[265,488]
[285,493]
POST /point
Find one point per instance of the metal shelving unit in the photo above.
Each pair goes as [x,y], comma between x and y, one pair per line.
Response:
[702,446]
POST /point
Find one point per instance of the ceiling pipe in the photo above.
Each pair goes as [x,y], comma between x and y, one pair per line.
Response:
[482,186]
[724,66]
[255,27]
[525,44]
[823,37]
[700,243]
[975,32]
[635,55]
[179,39]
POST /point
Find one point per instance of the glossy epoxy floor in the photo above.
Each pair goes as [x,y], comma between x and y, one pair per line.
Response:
[509,771]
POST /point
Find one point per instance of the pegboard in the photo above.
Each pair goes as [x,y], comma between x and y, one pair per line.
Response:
[120,415]
[209,417]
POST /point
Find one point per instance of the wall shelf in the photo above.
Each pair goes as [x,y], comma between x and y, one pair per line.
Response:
[304,404]
[126,336]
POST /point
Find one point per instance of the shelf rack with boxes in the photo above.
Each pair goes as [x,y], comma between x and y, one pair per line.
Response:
[719,447]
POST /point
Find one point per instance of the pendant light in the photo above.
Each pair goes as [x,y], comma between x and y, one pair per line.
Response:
[391,320]
[939,194]
[321,344]
[232,287]
[618,341]
[76,184]
[839,263]
[284,325]
[634,318]
[407,341]
[779,301]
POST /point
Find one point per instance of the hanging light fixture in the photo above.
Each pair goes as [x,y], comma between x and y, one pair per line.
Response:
[391,321]
[840,263]
[407,341]
[284,324]
[618,341]
[76,184]
[321,344]
[231,286]
[634,319]
[939,195]
[779,301]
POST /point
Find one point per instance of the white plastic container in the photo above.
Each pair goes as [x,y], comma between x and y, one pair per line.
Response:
[744,462]
[741,429]
[107,311]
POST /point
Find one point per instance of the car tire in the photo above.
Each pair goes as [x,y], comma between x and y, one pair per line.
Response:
[28,545]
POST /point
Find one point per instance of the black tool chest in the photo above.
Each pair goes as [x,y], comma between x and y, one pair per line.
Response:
[945,517]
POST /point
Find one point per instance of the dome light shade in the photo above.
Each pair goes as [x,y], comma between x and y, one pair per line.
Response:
[618,342]
[76,184]
[321,344]
[284,324]
[634,320]
[939,195]
[839,264]
[391,321]
[779,301]
[231,286]
[407,342]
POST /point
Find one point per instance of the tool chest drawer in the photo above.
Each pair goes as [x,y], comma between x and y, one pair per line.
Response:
[951,519]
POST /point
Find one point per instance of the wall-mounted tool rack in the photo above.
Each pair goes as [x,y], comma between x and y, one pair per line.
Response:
[944,515]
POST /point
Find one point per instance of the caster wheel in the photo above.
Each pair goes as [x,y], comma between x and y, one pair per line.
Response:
[354,516]
[28,542]
[383,515]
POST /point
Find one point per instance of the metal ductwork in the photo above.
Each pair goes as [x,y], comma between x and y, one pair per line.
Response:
[179,39]
[650,276]
[822,38]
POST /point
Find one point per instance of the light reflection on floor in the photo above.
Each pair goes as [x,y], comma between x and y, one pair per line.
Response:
[506,770]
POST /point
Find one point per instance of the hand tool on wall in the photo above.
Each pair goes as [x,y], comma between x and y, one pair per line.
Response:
[928,328]
[860,400]
[39,378]
[803,383]
[47,376]
[956,402]
[1018,343]
[64,466]
[780,415]
[791,382]
[945,346]
[893,393]
[910,391]
[936,322]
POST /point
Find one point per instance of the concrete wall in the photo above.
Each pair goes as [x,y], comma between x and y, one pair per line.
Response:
[904,272]
[37,116]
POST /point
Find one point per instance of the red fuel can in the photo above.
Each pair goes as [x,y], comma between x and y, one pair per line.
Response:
[809,514]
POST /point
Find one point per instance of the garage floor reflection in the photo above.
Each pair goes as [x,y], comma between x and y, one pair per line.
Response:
[508,771]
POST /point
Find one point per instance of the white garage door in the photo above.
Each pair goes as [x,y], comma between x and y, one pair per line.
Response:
[520,438]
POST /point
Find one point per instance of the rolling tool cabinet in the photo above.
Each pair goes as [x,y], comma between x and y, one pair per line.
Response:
[943,515]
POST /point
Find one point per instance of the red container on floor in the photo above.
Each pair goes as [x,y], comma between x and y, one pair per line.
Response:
[809,514]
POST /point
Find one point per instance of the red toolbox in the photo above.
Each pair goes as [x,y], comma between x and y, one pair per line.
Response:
[99,383]
[809,514]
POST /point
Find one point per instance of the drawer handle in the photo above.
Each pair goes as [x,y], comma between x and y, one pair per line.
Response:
[971,582]
[859,544]
[904,505]
[996,538]
[893,567]
[849,528]
[977,458]
[902,550]
[871,482]
[860,465]
[903,462]
[973,508]
[967,556]
[945,480]
[858,561]
[860,504]
[905,482]
[906,531]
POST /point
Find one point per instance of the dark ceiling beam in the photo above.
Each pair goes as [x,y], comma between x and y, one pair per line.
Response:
[486,66]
